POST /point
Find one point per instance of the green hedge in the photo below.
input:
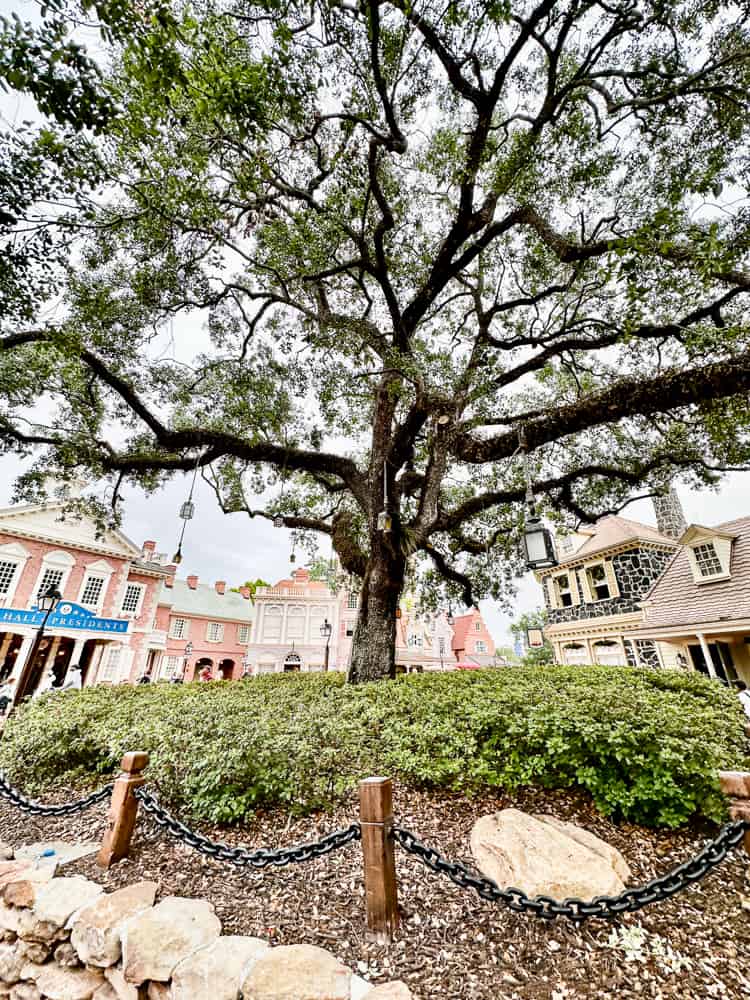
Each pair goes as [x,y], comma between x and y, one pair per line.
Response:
[646,744]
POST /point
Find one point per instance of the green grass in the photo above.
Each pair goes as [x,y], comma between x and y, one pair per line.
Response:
[645,744]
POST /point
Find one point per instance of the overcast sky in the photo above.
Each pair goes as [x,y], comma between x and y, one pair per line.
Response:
[234,547]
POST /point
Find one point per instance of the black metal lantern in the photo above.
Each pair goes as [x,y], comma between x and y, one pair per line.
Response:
[537,542]
[278,521]
[449,616]
[325,629]
[187,510]
[49,599]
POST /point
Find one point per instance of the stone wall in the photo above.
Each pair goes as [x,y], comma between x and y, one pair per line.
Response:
[66,939]
[635,572]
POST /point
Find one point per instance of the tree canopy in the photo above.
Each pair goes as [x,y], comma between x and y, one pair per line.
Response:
[422,240]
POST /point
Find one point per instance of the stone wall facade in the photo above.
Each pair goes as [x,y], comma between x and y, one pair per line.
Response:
[635,570]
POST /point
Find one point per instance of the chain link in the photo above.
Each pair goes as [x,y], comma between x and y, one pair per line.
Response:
[7,791]
[241,856]
[578,910]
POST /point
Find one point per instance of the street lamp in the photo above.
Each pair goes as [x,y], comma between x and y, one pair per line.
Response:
[325,632]
[537,540]
[188,651]
[46,602]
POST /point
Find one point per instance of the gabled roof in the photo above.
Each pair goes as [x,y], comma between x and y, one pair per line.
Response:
[205,602]
[693,532]
[461,626]
[676,599]
[44,521]
[612,531]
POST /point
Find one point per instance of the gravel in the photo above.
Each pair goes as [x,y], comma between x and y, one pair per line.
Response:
[452,945]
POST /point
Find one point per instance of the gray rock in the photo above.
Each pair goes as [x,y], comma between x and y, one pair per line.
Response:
[154,942]
[297,972]
[96,931]
[215,972]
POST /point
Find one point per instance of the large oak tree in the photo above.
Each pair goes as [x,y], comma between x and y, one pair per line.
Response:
[419,234]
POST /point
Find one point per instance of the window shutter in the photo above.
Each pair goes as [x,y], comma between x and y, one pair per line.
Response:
[574,592]
[609,569]
[587,596]
[551,592]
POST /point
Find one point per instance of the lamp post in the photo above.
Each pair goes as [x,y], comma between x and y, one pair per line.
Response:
[188,651]
[537,540]
[325,631]
[46,603]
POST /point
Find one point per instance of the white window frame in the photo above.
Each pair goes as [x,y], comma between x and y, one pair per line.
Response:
[714,553]
[102,571]
[55,559]
[554,589]
[17,554]
[352,601]
[219,626]
[185,631]
[415,641]
[139,603]
[480,646]
[169,666]
[243,634]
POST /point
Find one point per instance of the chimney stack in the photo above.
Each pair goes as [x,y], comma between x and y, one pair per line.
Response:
[670,519]
[169,581]
[148,549]
[192,582]
[245,592]
[221,586]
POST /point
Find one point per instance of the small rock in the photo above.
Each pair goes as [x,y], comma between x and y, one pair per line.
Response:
[121,989]
[59,899]
[297,972]
[11,963]
[158,991]
[96,931]
[105,992]
[34,951]
[154,942]
[12,870]
[397,990]
[21,891]
[65,955]
[9,917]
[6,851]
[68,984]
[25,991]
[215,972]
[32,971]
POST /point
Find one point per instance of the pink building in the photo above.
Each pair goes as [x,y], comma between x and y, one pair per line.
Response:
[472,643]
[122,613]
[206,627]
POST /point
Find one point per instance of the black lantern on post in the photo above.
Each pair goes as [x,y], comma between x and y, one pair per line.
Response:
[325,633]
[46,602]
[187,512]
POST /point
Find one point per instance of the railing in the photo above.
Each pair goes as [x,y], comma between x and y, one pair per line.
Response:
[379,835]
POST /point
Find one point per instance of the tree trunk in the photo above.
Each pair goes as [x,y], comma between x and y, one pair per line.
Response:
[374,648]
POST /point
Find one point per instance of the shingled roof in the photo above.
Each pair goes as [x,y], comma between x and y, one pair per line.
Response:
[613,530]
[677,600]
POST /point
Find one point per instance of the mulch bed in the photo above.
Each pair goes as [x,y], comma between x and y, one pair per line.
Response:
[452,945]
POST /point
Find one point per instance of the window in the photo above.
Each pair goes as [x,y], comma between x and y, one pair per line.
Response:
[480,646]
[441,645]
[214,632]
[110,664]
[596,577]
[168,666]
[131,602]
[707,560]
[563,590]
[477,626]
[243,634]
[7,572]
[295,623]
[92,591]
[50,578]
[415,641]
[178,628]
[352,601]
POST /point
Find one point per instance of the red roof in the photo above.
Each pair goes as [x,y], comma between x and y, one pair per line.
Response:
[461,628]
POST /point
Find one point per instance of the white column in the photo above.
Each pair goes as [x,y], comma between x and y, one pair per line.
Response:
[22,657]
[707,655]
[623,647]
[96,662]
[5,646]
[590,650]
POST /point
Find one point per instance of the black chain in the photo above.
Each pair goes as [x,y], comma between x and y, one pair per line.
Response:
[241,856]
[577,910]
[7,791]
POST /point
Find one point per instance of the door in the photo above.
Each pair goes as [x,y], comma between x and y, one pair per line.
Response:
[721,659]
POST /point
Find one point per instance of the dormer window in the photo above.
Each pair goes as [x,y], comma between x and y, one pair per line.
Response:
[563,591]
[598,585]
[707,560]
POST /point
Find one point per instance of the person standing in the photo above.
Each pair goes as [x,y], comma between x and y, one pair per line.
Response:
[744,695]
[73,680]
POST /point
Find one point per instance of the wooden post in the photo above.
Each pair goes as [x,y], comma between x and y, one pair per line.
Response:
[381,892]
[122,811]
[736,786]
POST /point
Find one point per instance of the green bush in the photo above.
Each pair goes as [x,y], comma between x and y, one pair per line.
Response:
[645,744]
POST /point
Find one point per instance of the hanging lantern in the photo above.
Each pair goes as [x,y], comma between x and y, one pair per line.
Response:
[177,557]
[385,521]
[398,612]
[278,521]
[187,510]
[292,558]
[537,542]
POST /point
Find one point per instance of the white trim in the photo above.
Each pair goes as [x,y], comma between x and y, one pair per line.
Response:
[54,559]
[139,603]
[99,570]
[18,555]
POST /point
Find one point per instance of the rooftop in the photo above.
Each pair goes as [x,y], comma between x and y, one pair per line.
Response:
[205,601]
[612,531]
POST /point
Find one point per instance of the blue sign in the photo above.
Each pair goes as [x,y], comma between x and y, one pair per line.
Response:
[65,615]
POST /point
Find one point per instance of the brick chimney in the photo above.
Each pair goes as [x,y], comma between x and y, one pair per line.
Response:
[301,575]
[169,581]
[670,519]
[221,586]
[148,549]
[245,592]
[192,582]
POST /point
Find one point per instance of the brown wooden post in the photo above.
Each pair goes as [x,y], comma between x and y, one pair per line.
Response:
[381,892]
[736,786]
[123,810]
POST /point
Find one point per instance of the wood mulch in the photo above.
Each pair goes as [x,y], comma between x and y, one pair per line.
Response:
[452,945]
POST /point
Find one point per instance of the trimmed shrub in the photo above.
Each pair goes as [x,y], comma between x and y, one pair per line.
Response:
[645,744]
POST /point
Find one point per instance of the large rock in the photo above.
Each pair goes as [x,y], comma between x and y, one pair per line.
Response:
[12,961]
[105,992]
[538,857]
[9,917]
[22,889]
[121,989]
[396,990]
[96,931]
[55,852]
[12,870]
[25,991]
[68,984]
[297,972]
[154,942]
[590,840]
[56,901]
[215,972]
